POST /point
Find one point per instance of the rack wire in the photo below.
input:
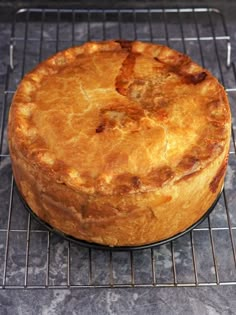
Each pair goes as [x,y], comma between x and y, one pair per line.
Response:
[33,257]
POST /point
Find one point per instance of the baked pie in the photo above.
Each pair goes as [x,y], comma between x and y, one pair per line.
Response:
[119,143]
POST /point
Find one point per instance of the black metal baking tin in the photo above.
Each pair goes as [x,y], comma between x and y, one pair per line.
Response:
[115,248]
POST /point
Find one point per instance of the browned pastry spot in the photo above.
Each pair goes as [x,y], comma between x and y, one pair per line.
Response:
[125,75]
[195,78]
[127,182]
[159,176]
[119,115]
[100,128]
[125,44]
[218,177]
[179,69]
[189,162]
[206,149]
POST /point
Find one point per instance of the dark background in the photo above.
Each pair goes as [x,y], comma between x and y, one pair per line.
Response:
[7,7]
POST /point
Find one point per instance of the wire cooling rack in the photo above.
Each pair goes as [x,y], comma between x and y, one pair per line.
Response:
[33,257]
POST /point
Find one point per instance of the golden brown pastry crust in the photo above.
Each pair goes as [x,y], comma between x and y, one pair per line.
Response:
[119,143]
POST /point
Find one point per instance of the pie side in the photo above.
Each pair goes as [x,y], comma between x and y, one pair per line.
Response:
[119,143]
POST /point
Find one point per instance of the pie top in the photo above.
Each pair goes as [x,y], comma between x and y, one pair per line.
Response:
[118,117]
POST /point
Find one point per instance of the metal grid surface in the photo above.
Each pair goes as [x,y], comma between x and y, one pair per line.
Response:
[31,256]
